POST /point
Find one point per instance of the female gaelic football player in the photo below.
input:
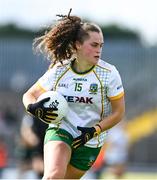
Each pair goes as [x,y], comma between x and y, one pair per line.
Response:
[92,87]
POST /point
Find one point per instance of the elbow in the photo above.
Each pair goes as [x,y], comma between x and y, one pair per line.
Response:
[121,114]
[24,97]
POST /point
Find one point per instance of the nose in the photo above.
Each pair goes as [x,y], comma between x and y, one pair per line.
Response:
[98,51]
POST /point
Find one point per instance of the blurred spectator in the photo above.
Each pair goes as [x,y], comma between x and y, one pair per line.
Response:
[8,130]
[116,154]
[3,155]
[8,122]
[30,151]
[112,160]
[99,164]
[10,116]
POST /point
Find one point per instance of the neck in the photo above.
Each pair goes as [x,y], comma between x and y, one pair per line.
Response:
[81,66]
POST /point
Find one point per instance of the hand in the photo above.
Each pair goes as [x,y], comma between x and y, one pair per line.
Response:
[45,114]
[87,133]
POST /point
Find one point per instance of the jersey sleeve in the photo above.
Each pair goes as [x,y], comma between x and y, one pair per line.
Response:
[46,82]
[115,87]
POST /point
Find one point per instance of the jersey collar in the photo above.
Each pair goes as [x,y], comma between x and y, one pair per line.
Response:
[85,72]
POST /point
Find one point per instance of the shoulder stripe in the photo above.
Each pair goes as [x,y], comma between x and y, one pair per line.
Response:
[38,85]
[117,97]
[103,68]
[61,76]
[51,66]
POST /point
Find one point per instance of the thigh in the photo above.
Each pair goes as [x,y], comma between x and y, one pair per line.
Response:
[56,155]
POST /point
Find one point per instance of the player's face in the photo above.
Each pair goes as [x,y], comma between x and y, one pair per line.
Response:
[90,50]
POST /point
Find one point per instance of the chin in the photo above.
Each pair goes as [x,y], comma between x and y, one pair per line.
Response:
[95,61]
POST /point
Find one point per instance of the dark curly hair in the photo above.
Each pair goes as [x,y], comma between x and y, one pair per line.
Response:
[58,44]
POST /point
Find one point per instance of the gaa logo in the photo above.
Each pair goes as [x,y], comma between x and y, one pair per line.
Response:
[93,88]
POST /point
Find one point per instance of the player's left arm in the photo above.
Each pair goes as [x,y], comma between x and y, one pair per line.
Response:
[118,111]
[115,94]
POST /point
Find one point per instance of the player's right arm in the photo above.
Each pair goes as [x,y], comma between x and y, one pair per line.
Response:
[43,84]
[32,94]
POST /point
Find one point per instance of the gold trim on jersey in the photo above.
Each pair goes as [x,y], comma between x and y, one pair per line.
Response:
[61,77]
[38,85]
[104,68]
[102,94]
[98,140]
[51,66]
[117,97]
[59,64]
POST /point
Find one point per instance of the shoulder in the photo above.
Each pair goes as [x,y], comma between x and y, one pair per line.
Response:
[59,66]
[106,66]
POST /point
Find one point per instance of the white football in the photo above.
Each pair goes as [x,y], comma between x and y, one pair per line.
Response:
[57,100]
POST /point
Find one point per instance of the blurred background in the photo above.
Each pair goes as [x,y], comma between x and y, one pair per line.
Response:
[130,43]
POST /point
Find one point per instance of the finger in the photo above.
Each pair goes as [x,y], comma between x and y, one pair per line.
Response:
[50,117]
[44,100]
[45,121]
[55,108]
[87,137]
[50,120]
[76,144]
[52,113]
[80,128]
[76,141]
[50,109]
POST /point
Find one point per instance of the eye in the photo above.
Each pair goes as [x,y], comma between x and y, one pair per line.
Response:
[97,45]
[101,45]
[94,45]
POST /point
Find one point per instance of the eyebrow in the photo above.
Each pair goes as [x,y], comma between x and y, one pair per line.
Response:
[98,43]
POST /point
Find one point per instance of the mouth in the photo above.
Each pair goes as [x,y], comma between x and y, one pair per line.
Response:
[97,57]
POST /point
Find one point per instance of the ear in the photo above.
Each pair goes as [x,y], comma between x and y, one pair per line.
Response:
[78,45]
